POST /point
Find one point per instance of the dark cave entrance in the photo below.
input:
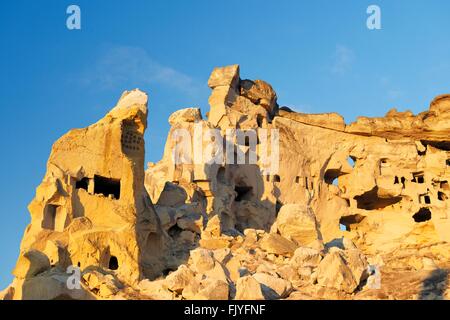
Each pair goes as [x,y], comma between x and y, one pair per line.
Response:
[82,184]
[113,263]
[423,215]
[243,193]
[331,176]
[107,186]
[441,145]
[425,199]
[371,201]
[418,178]
[346,222]
[51,216]
[442,196]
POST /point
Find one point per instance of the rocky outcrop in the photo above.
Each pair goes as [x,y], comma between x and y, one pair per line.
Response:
[92,208]
[253,202]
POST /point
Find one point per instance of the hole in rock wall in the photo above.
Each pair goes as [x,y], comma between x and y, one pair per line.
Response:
[278,206]
[351,161]
[442,196]
[174,231]
[113,263]
[259,120]
[131,139]
[107,187]
[418,178]
[297,179]
[422,153]
[276,178]
[347,223]
[168,271]
[52,219]
[371,201]
[447,162]
[425,199]
[82,184]
[331,176]
[247,141]
[423,215]
[441,145]
[403,180]
[396,180]
[243,193]
[384,163]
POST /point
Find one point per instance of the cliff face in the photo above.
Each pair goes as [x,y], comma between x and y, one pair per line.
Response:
[253,202]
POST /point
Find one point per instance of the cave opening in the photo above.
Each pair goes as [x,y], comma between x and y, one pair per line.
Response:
[441,145]
[278,206]
[384,162]
[174,231]
[425,199]
[107,187]
[51,216]
[423,215]
[347,223]
[259,120]
[418,178]
[331,176]
[113,263]
[442,196]
[82,184]
[403,180]
[371,201]
[243,193]
[351,161]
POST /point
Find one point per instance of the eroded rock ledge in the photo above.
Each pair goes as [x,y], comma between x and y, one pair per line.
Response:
[350,206]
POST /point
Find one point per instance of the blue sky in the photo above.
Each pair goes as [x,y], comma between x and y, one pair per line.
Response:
[318,55]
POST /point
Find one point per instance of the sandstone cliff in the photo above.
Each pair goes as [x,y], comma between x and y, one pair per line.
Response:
[343,211]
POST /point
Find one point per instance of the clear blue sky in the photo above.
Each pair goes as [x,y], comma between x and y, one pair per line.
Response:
[318,55]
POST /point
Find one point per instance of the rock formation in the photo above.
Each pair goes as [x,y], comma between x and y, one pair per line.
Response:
[343,212]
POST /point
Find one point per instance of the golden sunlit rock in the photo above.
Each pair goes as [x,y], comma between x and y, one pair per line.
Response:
[348,212]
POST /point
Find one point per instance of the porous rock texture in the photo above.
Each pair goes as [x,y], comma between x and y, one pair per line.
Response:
[356,211]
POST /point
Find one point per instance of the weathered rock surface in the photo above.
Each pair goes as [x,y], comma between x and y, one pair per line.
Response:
[298,223]
[351,211]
